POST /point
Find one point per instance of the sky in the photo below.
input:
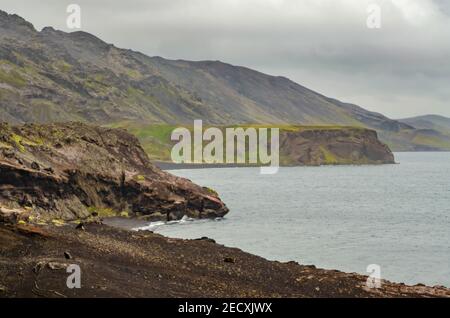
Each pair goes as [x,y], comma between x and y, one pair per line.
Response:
[401,69]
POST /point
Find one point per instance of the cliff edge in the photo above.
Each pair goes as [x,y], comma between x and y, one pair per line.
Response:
[73,171]
[312,146]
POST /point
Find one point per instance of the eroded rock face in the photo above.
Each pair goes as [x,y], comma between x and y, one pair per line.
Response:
[71,171]
[334,146]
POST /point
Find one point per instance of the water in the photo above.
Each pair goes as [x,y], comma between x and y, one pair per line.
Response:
[342,217]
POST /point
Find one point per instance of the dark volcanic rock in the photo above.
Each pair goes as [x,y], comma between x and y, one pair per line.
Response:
[118,263]
[89,170]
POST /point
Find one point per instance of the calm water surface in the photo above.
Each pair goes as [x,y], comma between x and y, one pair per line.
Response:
[342,217]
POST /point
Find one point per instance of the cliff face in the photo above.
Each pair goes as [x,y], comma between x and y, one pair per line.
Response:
[325,146]
[299,145]
[75,171]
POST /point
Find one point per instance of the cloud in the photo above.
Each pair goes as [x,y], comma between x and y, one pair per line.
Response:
[401,69]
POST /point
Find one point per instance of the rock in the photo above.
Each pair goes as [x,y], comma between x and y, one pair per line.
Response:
[156,216]
[94,172]
[209,214]
[292,263]
[326,146]
[10,215]
[26,200]
[229,260]
[38,267]
[57,266]
[67,255]
[49,170]
[80,227]
[9,153]
[207,239]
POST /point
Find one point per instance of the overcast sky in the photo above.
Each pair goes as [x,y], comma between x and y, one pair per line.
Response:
[401,69]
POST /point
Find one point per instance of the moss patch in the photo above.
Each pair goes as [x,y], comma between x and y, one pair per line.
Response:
[12,78]
[18,142]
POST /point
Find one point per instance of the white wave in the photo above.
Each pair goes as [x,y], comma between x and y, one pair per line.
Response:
[152,226]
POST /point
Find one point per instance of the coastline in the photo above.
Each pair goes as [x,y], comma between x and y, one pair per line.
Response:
[121,263]
[167,165]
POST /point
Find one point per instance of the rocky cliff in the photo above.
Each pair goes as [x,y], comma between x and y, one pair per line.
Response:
[328,146]
[66,172]
[299,145]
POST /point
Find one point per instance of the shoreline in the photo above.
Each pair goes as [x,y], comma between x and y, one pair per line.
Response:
[167,165]
[121,263]
[136,225]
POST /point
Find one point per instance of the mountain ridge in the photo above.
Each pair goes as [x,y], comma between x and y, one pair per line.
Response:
[51,75]
[430,121]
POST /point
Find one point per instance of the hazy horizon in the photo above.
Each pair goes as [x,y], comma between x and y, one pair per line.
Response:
[400,70]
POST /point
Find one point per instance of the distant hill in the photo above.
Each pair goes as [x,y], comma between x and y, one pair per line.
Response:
[432,133]
[51,75]
[435,122]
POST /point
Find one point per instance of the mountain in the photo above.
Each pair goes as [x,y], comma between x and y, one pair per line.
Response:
[432,133]
[433,122]
[51,75]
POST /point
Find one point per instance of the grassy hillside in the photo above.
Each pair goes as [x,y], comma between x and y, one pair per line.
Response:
[416,140]
[56,76]
[430,122]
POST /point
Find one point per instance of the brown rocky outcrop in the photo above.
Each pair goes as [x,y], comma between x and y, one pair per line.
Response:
[328,146]
[73,171]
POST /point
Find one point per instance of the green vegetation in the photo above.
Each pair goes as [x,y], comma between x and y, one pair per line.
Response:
[139,177]
[212,191]
[155,139]
[328,156]
[63,66]
[58,222]
[5,145]
[413,140]
[12,78]
[18,142]
[135,74]
[431,141]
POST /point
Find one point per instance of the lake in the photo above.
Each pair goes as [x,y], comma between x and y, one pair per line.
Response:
[337,217]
